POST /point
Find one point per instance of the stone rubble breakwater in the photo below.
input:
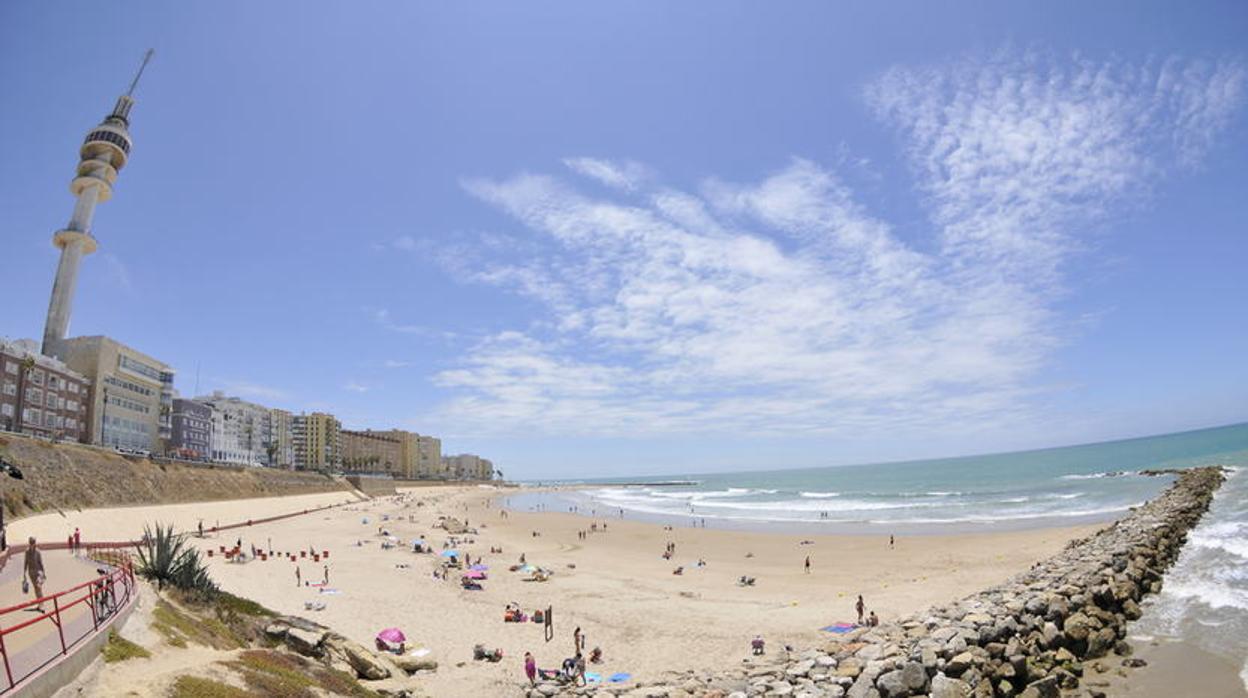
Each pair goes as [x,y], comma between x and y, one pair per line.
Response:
[1042,634]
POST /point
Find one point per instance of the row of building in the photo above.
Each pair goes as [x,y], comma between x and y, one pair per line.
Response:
[97,390]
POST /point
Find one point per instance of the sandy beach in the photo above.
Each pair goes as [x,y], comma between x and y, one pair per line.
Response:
[614,585]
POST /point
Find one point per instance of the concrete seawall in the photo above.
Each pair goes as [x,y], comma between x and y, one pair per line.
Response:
[73,476]
[1045,633]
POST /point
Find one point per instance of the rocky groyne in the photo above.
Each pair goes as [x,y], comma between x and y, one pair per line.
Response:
[1045,633]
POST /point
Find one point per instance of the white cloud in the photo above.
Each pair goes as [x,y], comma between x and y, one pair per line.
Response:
[254,390]
[118,273]
[785,307]
[626,176]
[355,387]
[395,363]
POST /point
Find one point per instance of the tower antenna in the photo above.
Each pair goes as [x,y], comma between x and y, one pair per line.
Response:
[133,83]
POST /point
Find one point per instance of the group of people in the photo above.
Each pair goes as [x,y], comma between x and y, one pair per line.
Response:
[573,668]
[870,620]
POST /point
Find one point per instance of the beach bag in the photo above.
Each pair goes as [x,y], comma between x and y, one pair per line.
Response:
[25,585]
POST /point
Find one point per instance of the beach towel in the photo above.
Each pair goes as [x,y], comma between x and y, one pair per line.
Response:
[330,591]
[839,628]
[620,677]
[591,677]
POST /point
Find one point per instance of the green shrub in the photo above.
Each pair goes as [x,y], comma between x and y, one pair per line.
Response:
[166,558]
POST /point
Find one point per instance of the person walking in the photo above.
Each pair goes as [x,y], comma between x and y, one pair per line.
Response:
[860,606]
[807,564]
[298,577]
[325,579]
[77,541]
[32,570]
[530,668]
[577,639]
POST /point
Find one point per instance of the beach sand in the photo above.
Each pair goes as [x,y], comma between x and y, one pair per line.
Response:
[621,592]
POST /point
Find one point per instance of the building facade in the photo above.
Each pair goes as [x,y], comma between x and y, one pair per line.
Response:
[429,459]
[316,441]
[371,452]
[467,466]
[131,401]
[191,430]
[241,430]
[40,395]
[281,446]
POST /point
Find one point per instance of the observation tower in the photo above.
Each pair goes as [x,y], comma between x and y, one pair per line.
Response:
[103,154]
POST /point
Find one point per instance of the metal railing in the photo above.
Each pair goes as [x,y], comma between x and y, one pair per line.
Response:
[103,596]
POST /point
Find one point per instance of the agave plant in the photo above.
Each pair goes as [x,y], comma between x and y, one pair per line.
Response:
[166,558]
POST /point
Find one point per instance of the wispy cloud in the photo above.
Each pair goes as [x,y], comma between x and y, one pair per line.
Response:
[254,390]
[626,176]
[383,318]
[117,271]
[355,387]
[785,306]
[395,363]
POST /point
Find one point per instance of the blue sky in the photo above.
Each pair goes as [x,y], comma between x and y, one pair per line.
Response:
[593,239]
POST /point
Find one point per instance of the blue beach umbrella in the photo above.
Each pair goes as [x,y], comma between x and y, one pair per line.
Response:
[450,553]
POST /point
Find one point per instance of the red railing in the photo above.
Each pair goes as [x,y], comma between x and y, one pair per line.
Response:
[104,596]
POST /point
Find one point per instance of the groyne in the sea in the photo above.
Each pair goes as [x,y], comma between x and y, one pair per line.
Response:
[1048,632]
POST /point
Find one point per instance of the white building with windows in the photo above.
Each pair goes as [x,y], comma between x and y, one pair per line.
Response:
[241,431]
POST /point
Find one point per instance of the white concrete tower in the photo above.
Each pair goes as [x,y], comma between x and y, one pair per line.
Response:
[103,154]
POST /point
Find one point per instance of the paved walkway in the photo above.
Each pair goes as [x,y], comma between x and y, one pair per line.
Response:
[38,643]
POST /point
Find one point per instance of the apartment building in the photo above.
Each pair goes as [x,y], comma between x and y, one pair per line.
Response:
[281,446]
[429,459]
[40,395]
[371,452]
[316,439]
[191,430]
[131,403]
[467,466]
[242,430]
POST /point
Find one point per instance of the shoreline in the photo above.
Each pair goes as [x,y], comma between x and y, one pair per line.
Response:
[531,496]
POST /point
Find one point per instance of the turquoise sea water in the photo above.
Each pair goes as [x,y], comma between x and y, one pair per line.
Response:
[1204,600]
[1059,486]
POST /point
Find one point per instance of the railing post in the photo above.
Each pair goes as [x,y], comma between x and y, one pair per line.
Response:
[56,609]
[7,669]
[95,618]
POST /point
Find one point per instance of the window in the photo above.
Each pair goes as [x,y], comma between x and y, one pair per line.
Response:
[10,367]
[60,403]
[71,405]
[140,368]
[36,376]
[34,395]
[71,423]
[51,401]
[73,387]
[10,388]
[32,416]
[6,410]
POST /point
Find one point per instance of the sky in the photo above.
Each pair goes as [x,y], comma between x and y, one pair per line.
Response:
[593,239]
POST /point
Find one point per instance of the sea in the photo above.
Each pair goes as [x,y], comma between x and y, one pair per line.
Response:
[1204,599]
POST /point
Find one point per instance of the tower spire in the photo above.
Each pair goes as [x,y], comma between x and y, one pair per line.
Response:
[134,83]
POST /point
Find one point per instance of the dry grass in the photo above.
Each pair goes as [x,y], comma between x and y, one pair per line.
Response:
[119,649]
[196,687]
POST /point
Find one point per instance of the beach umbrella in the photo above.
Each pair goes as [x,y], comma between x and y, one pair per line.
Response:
[450,553]
[528,568]
[479,568]
[392,635]
[474,574]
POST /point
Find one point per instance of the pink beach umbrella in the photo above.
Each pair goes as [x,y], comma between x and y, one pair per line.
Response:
[474,574]
[392,635]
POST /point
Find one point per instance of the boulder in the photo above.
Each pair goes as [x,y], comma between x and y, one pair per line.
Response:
[959,664]
[1101,642]
[362,660]
[305,642]
[1044,688]
[411,665]
[945,687]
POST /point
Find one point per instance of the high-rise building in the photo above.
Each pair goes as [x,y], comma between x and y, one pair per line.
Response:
[317,445]
[41,395]
[126,404]
[102,155]
[408,442]
[281,446]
